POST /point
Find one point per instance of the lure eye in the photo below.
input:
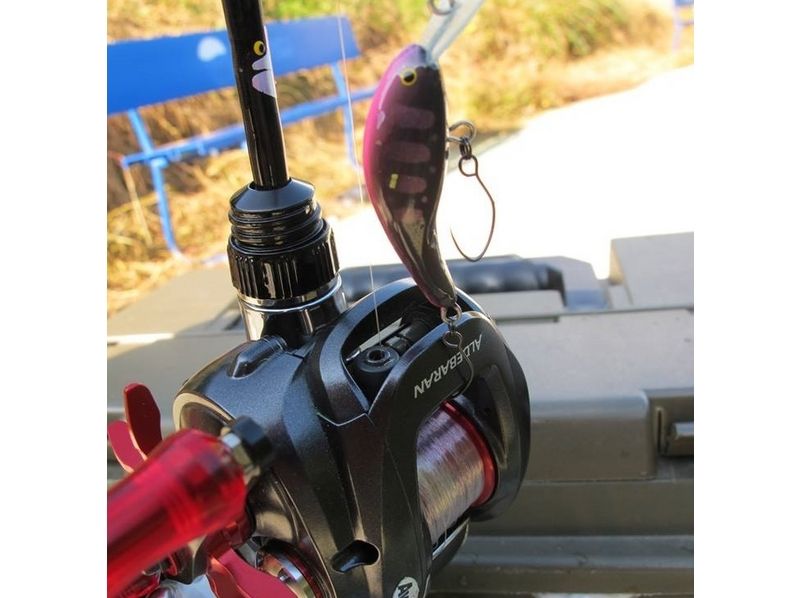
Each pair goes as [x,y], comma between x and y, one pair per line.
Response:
[259,48]
[408,76]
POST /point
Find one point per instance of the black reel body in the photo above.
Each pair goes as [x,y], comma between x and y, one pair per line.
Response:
[344,413]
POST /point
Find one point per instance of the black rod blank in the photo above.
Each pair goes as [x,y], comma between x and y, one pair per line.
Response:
[252,65]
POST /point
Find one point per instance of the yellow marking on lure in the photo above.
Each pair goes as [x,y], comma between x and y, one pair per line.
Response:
[393,181]
[259,48]
[408,77]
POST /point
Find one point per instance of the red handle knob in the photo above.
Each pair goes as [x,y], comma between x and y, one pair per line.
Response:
[189,486]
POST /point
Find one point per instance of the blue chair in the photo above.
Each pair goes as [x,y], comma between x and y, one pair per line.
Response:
[153,71]
[679,21]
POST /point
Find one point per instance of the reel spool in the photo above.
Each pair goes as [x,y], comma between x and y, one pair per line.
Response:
[454,467]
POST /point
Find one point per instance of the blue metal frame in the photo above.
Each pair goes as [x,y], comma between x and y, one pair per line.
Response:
[679,22]
[341,89]
[143,72]
[156,164]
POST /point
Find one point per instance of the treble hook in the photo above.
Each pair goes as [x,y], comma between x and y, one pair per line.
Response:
[465,148]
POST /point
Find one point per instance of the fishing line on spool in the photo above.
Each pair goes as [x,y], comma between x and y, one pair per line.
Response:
[450,472]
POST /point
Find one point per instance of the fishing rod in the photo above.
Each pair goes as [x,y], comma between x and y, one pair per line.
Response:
[322,457]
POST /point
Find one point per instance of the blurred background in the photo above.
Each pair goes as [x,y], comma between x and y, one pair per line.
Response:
[561,168]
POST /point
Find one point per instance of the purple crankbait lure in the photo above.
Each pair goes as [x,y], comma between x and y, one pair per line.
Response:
[405,152]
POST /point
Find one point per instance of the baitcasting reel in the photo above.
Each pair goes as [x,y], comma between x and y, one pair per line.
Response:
[339,452]
[381,456]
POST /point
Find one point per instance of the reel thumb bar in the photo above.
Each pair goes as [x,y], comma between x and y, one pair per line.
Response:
[255,82]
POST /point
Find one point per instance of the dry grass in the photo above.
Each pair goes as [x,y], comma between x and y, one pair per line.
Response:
[517,58]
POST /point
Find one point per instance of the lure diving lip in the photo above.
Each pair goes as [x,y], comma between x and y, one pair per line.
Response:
[405,155]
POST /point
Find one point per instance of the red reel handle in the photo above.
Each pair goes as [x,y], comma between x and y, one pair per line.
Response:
[188,487]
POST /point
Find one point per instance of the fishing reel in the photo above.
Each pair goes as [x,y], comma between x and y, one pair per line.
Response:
[340,451]
[383,451]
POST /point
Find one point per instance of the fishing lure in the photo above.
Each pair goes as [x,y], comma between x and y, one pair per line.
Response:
[405,151]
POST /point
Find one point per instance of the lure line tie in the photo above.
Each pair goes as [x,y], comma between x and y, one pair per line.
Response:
[467,157]
[437,10]
[453,339]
